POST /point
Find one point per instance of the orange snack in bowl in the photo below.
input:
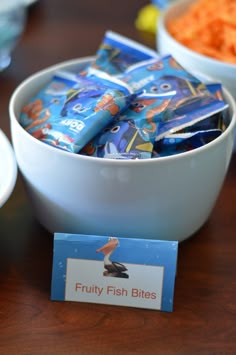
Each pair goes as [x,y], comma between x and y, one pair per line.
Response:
[208,27]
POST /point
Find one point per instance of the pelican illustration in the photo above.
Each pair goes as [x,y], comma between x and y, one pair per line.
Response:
[113,268]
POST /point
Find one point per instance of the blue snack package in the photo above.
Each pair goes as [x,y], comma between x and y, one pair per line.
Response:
[188,114]
[182,142]
[132,134]
[122,140]
[72,109]
[215,121]
[218,120]
[116,53]
[193,101]
[159,75]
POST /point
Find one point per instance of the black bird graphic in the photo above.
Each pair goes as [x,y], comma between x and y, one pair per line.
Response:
[113,268]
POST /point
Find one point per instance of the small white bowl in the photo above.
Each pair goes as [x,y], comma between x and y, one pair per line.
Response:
[8,169]
[164,198]
[189,59]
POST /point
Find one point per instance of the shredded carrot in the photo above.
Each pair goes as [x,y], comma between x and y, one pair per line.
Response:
[208,27]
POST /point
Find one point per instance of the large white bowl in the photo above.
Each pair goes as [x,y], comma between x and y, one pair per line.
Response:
[165,198]
[191,60]
[8,169]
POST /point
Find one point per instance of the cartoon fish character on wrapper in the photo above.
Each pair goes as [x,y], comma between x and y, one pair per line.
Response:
[77,114]
[132,134]
[116,53]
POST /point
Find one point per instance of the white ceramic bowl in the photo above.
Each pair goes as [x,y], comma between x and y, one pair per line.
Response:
[165,198]
[192,61]
[8,169]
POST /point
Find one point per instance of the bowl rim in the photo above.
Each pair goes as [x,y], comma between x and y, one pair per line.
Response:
[8,165]
[161,24]
[85,60]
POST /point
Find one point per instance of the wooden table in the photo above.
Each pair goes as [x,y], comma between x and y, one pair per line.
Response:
[204,316]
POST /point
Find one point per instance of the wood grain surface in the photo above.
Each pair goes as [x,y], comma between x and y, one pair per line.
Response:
[204,316]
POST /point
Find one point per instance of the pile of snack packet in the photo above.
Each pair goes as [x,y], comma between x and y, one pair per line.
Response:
[127,103]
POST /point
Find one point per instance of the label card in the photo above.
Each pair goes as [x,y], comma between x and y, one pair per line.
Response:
[118,271]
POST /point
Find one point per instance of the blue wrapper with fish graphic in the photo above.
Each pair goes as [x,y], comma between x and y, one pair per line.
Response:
[183,142]
[116,53]
[193,100]
[132,134]
[123,103]
[72,109]
[158,75]
[218,120]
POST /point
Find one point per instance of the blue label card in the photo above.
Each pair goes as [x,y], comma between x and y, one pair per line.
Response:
[118,271]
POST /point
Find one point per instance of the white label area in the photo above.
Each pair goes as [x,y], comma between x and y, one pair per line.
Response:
[87,281]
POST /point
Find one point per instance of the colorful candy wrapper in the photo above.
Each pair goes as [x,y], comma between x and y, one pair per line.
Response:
[216,121]
[186,115]
[197,134]
[116,53]
[158,75]
[132,134]
[219,120]
[193,100]
[183,142]
[122,140]
[215,88]
[71,110]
